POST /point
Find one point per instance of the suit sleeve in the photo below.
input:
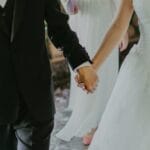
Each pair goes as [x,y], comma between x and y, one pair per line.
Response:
[62,36]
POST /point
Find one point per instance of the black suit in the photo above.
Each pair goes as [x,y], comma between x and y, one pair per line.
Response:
[23,44]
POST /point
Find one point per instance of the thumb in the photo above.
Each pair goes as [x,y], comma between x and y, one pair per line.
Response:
[77,78]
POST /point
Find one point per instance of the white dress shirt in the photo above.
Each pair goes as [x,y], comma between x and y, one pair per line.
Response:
[85,64]
[2,3]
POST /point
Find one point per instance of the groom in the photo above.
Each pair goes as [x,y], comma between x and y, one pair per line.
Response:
[26,98]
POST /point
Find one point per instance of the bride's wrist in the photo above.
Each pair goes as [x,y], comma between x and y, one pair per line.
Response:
[95,67]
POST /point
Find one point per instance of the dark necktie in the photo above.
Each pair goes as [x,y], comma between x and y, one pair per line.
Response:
[1,10]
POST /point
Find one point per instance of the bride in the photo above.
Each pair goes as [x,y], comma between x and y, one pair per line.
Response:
[125,124]
[91,23]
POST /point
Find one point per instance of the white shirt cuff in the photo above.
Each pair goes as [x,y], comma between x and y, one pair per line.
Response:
[85,64]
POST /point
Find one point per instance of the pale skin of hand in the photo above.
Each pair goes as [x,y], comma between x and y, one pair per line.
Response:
[87,78]
[124,43]
[115,33]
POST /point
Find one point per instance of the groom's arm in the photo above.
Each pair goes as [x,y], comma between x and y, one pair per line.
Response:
[62,36]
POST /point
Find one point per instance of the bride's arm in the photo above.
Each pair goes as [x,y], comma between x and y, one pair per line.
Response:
[115,33]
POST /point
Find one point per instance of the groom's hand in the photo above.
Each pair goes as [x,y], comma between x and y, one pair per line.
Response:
[87,78]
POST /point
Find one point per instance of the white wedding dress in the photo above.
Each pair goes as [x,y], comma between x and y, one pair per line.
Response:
[125,124]
[91,23]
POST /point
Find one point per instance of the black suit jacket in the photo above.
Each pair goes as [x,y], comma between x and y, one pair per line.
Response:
[32,73]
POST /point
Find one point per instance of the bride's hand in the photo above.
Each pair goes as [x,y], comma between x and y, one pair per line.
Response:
[87,79]
[72,7]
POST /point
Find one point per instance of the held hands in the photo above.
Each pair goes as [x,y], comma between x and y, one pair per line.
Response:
[87,78]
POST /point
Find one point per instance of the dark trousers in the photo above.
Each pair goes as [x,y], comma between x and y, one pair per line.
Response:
[26,133]
[7,138]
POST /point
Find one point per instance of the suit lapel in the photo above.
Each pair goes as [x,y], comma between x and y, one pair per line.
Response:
[18,16]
